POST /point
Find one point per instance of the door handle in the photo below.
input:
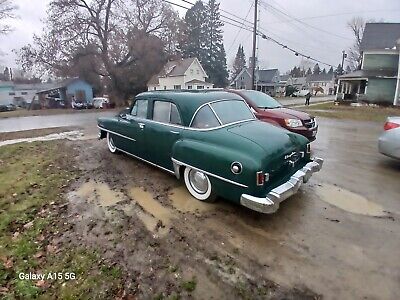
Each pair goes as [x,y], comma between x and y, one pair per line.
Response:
[141,125]
[174,132]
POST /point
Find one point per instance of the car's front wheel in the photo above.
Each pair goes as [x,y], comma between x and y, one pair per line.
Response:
[198,185]
[111,144]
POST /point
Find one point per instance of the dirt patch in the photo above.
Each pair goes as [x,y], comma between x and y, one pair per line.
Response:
[34,133]
[156,232]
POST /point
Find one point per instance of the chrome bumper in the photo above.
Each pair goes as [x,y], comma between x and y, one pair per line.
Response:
[270,203]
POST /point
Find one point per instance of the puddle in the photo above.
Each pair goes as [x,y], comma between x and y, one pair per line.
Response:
[101,193]
[69,135]
[184,202]
[349,201]
[154,211]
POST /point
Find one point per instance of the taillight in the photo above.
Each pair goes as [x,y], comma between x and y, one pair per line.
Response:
[260,178]
[390,125]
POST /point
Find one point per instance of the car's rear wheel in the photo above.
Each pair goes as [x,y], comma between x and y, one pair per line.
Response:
[198,185]
[111,144]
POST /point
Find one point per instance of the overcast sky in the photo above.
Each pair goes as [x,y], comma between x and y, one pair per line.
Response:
[319,29]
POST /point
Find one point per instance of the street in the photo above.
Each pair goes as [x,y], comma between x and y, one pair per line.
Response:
[339,237]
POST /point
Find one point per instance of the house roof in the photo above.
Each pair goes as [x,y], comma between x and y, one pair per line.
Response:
[299,80]
[370,74]
[58,85]
[196,81]
[379,36]
[320,77]
[173,68]
[284,77]
[266,75]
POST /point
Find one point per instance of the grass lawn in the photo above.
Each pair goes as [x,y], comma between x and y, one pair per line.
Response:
[33,179]
[362,113]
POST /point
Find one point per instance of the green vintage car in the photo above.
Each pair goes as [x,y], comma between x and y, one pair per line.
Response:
[213,141]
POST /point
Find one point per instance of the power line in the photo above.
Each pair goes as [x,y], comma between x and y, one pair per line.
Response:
[240,29]
[264,36]
[265,5]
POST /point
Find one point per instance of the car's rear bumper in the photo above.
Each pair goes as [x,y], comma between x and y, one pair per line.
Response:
[389,143]
[270,203]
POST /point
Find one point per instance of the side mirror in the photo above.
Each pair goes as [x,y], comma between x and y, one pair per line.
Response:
[123,114]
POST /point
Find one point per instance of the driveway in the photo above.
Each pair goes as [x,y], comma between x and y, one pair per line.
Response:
[339,237]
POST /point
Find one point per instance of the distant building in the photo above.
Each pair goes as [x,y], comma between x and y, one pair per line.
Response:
[266,81]
[378,81]
[65,90]
[323,82]
[180,74]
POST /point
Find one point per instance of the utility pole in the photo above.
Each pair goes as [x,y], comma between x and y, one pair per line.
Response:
[344,55]
[253,65]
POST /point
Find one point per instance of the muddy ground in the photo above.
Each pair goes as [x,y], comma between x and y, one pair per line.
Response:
[338,238]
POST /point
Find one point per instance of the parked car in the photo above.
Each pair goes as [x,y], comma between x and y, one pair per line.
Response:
[101,102]
[269,110]
[81,105]
[389,141]
[7,107]
[214,141]
[301,93]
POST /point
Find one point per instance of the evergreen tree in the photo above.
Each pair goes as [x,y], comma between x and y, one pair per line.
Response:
[348,69]
[309,72]
[240,62]
[215,63]
[323,71]
[316,69]
[193,41]
[330,70]
[339,70]
[7,74]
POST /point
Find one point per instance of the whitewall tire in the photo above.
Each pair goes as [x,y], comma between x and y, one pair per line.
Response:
[198,185]
[111,143]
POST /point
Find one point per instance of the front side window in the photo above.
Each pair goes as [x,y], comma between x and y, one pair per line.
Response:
[205,118]
[166,112]
[139,109]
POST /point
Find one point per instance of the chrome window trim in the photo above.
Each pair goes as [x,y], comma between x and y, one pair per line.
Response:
[212,109]
[208,173]
[113,132]
[211,102]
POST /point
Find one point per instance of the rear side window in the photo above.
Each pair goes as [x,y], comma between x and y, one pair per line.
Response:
[139,109]
[166,112]
[205,118]
[232,111]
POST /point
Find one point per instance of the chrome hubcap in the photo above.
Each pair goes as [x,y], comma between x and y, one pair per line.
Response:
[198,180]
[112,146]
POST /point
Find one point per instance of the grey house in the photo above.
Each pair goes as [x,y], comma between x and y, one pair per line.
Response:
[378,79]
[266,81]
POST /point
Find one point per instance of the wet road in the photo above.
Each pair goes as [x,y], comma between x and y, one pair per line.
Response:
[49,121]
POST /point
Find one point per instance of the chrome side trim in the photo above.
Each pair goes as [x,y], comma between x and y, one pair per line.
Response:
[149,162]
[116,133]
[271,202]
[179,163]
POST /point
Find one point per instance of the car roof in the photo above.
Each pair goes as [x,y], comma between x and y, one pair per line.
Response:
[188,101]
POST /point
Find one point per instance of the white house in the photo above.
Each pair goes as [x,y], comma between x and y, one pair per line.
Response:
[180,74]
[324,82]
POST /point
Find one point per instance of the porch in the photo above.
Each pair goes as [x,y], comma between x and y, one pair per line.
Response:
[351,89]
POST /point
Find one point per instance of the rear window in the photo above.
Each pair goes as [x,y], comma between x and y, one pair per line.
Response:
[232,111]
[222,113]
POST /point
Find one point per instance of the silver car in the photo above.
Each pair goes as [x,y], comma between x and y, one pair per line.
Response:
[389,141]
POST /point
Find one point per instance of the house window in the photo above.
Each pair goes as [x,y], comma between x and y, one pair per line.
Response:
[198,71]
[165,87]
[191,71]
[154,88]
[200,87]
[177,87]
[189,87]
[24,93]
[11,94]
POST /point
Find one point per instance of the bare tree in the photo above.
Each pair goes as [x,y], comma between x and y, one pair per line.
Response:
[124,40]
[7,10]
[354,58]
